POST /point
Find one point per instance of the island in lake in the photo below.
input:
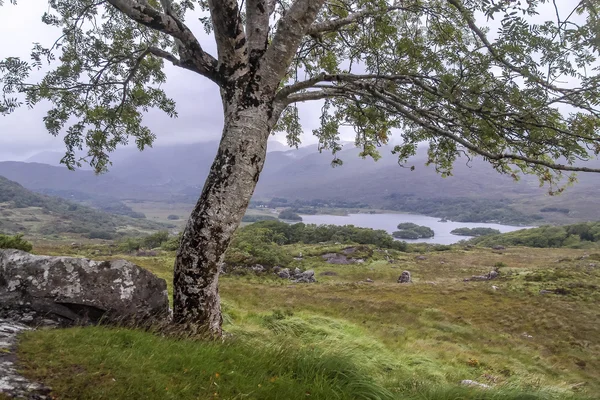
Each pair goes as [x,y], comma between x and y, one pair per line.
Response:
[408,230]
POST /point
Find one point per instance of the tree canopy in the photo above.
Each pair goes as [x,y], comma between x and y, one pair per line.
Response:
[522,96]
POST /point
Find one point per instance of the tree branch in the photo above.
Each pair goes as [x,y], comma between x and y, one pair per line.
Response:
[412,116]
[230,37]
[335,24]
[292,27]
[200,61]
[257,27]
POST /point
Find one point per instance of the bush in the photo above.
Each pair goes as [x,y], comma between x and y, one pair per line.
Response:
[281,233]
[256,218]
[574,236]
[100,235]
[155,240]
[172,243]
[14,242]
[173,217]
[475,231]
[289,215]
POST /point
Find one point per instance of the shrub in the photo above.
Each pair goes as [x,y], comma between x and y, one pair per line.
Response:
[100,235]
[173,217]
[155,239]
[256,218]
[14,242]
[290,215]
[475,231]
[172,243]
[282,233]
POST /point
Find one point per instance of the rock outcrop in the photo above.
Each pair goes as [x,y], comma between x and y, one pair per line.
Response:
[13,384]
[491,275]
[405,277]
[77,290]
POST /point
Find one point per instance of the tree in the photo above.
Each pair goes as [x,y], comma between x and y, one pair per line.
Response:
[425,69]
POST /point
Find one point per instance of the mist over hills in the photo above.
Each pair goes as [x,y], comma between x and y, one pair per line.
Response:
[177,173]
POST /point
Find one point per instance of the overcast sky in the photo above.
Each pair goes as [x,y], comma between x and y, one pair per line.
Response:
[23,134]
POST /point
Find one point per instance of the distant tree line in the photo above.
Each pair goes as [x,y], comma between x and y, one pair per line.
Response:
[574,236]
[261,242]
[475,231]
[460,209]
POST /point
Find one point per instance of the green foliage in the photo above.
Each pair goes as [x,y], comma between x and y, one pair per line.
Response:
[14,242]
[282,233]
[256,218]
[408,230]
[257,245]
[576,235]
[172,243]
[187,369]
[475,231]
[289,215]
[154,240]
[100,235]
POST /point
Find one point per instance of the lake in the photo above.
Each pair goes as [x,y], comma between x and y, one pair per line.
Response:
[389,223]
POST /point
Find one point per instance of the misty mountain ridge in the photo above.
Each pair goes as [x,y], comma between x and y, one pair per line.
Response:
[177,173]
[25,211]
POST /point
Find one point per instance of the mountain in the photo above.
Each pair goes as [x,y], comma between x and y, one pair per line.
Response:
[177,173]
[24,211]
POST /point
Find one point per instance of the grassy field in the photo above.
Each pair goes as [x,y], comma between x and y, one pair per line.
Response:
[343,338]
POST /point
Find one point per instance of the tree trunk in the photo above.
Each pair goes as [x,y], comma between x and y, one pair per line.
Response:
[219,211]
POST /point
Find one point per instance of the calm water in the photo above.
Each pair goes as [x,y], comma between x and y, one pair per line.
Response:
[389,222]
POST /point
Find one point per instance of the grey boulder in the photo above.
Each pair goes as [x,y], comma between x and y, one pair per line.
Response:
[405,277]
[77,290]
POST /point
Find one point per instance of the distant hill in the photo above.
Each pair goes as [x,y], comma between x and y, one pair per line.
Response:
[177,173]
[23,211]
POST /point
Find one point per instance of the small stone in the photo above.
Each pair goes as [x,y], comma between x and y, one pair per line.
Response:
[420,258]
[499,247]
[257,268]
[284,273]
[306,277]
[369,280]
[494,287]
[526,335]
[405,277]
[469,382]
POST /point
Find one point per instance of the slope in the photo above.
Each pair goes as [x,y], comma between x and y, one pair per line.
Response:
[23,211]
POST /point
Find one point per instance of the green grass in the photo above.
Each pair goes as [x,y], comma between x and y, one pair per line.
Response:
[341,338]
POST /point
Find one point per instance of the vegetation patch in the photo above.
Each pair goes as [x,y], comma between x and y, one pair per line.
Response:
[475,231]
[582,235]
[14,242]
[408,230]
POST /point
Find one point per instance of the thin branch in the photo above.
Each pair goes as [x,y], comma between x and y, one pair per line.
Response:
[144,14]
[410,115]
[291,29]
[336,24]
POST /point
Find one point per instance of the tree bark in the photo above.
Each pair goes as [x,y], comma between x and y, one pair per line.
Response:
[219,211]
